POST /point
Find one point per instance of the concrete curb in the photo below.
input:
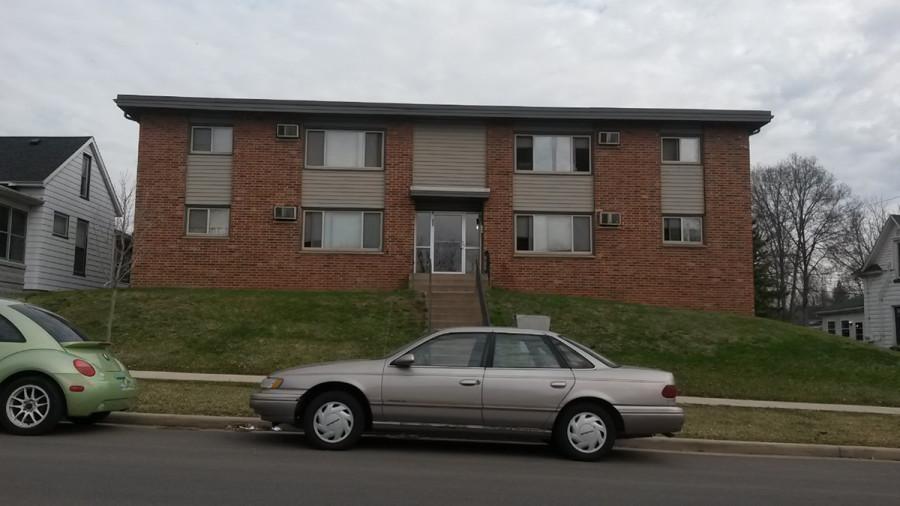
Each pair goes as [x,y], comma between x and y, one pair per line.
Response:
[186,421]
[761,448]
[655,443]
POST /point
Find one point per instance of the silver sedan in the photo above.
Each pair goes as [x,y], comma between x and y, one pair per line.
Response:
[477,379]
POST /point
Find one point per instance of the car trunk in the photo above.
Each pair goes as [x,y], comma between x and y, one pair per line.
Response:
[95,353]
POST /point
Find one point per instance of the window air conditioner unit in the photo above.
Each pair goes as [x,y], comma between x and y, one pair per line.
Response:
[287,131]
[609,219]
[608,138]
[286,213]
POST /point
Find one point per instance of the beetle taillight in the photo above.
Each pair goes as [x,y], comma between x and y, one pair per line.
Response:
[84,368]
[669,391]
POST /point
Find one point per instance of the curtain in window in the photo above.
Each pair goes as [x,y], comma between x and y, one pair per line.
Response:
[552,233]
[344,148]
[343,230]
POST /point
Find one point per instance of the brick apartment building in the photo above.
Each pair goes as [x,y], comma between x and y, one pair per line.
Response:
[639,205]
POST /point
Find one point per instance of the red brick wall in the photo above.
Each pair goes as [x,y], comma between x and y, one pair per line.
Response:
[630,263]
[259,252]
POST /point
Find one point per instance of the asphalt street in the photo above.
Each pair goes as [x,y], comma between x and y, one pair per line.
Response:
[123,465]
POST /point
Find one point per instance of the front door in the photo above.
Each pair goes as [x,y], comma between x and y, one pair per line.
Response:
[447,236]
[447,242]
[442,386]
[897,324]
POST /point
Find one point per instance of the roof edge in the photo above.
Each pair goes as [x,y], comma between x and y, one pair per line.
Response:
[133,104]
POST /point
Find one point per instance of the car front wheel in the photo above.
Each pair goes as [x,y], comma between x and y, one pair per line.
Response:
[31,406]
[334,421]
[585,431]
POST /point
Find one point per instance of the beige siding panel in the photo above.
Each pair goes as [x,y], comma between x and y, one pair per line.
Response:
[343,188]
[449,155]
[682,189]
[208,180]
[553,192]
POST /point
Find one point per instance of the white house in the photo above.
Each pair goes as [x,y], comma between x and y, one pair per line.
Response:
[845,319]
[881,280]
[57,214]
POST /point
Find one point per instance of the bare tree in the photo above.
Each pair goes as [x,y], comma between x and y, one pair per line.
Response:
[859,231]
[122,253]
[798,206]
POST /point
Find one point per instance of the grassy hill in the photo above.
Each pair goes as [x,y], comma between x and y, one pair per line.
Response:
[711,354]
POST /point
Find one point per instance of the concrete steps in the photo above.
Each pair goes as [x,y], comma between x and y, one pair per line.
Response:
[454,299]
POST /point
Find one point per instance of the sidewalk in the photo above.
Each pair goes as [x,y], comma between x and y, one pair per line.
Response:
[699,401]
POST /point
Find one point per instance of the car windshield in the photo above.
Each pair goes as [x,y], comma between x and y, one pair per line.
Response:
[590,352]
[56,326]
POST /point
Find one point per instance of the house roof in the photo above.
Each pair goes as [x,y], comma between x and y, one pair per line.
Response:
[870,266]
[133,105]
[851,305]
[32,159]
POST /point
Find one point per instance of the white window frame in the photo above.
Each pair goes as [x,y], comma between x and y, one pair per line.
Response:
[208,209]
[571,155]
[679,138]
[307,165]
[571,251]
[212,140]
[5,254]
[362,229]
[683,241]
[84,185]
[68,224]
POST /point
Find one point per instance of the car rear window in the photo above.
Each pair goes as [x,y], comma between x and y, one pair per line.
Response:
[56,326]
[601,358]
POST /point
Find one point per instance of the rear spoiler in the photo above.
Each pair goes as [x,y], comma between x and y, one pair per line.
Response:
[87,344]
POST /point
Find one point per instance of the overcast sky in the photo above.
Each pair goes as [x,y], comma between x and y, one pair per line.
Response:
[828,70]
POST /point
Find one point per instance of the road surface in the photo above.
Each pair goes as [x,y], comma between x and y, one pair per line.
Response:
[119,465]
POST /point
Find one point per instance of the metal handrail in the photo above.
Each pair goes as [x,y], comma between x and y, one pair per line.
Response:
[482,296]
[429,297]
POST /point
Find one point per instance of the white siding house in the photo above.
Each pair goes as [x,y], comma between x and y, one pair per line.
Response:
[881,281]
[69,240]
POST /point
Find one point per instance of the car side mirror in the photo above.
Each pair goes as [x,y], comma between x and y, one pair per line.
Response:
[405,360]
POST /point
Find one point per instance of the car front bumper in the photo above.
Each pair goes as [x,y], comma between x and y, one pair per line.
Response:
[276,406]
[649,420]
[110,391]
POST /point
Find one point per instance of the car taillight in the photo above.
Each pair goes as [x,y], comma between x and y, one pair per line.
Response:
[84,367]
[669,391]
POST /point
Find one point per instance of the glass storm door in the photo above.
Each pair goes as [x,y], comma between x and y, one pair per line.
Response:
[448,246]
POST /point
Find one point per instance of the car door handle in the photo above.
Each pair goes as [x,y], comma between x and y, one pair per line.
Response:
[469,382]
[558,384]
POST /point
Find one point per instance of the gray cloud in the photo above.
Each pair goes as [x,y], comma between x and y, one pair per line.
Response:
[827,69]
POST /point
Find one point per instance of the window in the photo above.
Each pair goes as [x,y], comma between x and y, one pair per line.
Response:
[12,234]
[9,333]
[845,328]
[81,241]
[683,229]
[859,331]
[56,326]
[545,153]
[211,140]
[523,351]
[553,233]
[60,224]
[350,230]
[830,326]
[452,350]
[211,221]
[572,358]
[681,149]
[85,176]
[345,149]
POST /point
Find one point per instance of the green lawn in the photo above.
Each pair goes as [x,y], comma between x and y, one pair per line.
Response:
[719,355]
[242,331]
[256,332]
[703,422]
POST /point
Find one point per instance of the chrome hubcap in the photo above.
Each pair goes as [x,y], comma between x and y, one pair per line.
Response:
[586,432]
[333,422]
[28,406]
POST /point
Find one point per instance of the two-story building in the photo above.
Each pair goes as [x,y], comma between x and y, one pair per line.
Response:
[881,287]
[640,205]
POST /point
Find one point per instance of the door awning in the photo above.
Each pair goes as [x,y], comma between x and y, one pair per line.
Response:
[462,192]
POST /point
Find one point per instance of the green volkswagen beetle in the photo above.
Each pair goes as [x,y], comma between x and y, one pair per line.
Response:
[49,371]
